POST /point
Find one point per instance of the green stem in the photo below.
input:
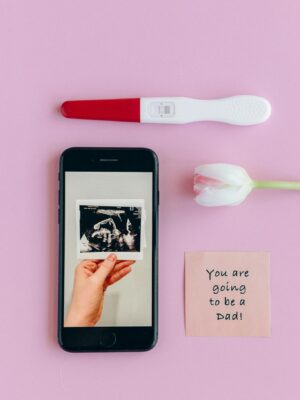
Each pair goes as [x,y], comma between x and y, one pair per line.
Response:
[277,185]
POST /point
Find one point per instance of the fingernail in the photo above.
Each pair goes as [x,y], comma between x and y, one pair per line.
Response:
[111,257]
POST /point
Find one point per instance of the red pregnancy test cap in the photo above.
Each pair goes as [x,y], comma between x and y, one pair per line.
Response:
[110,110]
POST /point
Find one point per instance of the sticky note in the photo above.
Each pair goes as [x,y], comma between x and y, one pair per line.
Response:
[227,294]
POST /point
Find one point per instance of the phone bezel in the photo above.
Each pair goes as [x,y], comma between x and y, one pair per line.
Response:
[110,160]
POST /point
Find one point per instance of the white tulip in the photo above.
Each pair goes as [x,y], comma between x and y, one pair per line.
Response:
[227,184]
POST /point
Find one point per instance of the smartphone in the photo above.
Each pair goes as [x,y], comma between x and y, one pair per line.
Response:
[108,239]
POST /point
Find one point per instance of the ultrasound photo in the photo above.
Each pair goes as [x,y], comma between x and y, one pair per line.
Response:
[107,229]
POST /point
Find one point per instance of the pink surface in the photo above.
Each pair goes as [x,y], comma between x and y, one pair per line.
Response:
[57,50]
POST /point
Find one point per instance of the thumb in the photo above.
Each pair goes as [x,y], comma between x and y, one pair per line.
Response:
[105,269]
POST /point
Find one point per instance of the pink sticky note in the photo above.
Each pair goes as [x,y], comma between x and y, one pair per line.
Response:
[227,294]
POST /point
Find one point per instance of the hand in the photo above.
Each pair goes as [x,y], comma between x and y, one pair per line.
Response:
[92,277]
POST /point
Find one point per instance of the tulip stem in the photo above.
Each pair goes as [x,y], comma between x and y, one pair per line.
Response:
[277,185]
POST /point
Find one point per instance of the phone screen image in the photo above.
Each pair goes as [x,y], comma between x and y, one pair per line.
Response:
[108,214]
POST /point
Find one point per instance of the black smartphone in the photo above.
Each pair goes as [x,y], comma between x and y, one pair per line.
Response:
[108,236]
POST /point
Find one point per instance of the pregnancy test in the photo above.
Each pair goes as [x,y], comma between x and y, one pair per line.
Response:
[236,110]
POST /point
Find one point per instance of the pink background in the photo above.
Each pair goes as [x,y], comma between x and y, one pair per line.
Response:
[61,49]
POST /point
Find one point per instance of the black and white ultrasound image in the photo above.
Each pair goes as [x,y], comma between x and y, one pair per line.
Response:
[110,229]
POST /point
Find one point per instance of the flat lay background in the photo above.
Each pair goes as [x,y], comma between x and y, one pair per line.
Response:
[63,49]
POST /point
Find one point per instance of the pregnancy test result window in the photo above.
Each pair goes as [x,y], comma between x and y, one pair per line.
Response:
[110,213]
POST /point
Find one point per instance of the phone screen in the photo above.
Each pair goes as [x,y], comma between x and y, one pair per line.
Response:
[108,213]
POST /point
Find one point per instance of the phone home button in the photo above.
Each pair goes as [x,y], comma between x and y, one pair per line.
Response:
[108,339]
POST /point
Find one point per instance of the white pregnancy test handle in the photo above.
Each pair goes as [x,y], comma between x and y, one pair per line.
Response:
[237,110]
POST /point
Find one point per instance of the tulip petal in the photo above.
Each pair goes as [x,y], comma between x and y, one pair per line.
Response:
[227,173]
[216,196]
[206,181]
